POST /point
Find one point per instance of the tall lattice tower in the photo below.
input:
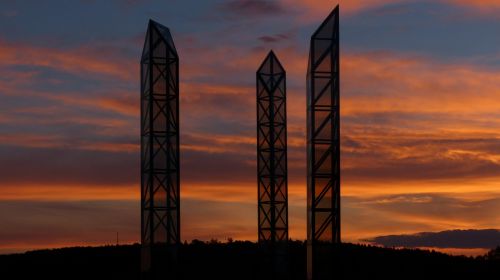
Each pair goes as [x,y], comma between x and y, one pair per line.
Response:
[323,149]
[160,219]
[272,167]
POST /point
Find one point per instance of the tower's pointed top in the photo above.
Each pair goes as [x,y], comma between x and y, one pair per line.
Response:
[327,29]
[158,31]
[271,65]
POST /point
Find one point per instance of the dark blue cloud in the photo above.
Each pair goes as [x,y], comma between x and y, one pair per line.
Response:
[486,238]
[68,165]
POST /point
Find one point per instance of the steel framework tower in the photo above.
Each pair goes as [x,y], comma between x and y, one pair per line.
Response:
[160,219]
[323,149]
[272,167]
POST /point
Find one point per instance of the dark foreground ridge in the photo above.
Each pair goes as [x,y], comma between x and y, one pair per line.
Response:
[240,260]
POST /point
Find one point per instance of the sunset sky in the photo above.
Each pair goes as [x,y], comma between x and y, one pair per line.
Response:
[420,115]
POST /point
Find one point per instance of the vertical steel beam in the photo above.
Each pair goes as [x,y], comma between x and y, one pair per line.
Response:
[323,149]
[272,176]
[160,186]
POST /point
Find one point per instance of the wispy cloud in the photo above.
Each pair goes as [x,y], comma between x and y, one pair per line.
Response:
[312,10]
[280,37]
[253,8]
[420,136]
[406,213]
[56,223]
[482,5]
[82,61]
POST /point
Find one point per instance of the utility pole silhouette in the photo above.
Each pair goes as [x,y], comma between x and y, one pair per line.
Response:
[323,149]
[272,168]
[160,200]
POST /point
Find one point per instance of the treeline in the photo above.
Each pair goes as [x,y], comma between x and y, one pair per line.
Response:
[242,260]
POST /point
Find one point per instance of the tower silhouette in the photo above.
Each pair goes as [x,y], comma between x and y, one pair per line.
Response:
[160,219]
[272,167]
[323,149]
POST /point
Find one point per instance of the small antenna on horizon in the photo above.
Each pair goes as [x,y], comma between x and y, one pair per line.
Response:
[117,240]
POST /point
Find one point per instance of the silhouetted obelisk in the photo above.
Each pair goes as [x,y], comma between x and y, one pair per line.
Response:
[160,217]
[272,168]
[323,149]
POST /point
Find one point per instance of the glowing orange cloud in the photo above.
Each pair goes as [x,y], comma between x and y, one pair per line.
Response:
[77,61]
[314,9]
[417,84]
[29,140]
[69,192]
[397,110]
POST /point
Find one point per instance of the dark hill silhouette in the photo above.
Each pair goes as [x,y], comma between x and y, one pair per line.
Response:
[239,260]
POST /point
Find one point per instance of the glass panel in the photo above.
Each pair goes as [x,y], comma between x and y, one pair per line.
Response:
[324,63]
[323,193]
[324,131]
[324,92]
[323,226]
[160,196]
[325,166]
[266,67]
[321,49]
[319,118]
[327,28]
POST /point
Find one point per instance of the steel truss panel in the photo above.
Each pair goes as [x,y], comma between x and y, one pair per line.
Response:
[160,200]
[272,174]
[323,149]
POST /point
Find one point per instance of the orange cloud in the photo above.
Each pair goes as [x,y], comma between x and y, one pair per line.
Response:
[108,128]
[68,192]
[410,125]
[410,213]
[412,115]
[29,140]
[219,144]
[77,61]
[388,83]
[313,9]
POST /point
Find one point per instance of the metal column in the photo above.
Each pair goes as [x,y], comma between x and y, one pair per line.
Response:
[272,168]
[323,149]
[160,200]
